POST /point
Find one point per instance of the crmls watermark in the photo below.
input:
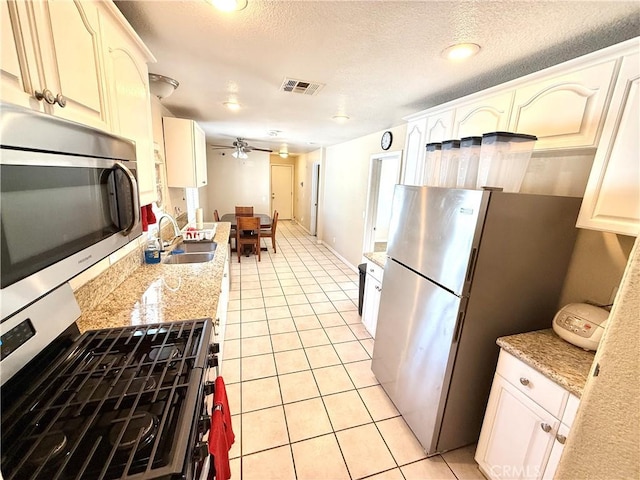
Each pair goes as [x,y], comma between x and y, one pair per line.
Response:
[515,471]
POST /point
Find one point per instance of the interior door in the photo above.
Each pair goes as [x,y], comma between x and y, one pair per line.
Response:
[282,190]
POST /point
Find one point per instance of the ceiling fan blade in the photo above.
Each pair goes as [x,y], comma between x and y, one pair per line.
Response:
[215,147]
[262,149]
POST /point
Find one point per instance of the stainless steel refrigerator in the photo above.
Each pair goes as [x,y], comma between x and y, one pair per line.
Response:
[465,267]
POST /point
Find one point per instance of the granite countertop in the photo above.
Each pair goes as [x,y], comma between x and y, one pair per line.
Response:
[379,258]
[565,364]
[156,293]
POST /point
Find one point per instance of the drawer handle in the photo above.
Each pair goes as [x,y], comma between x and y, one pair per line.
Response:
[561,439]
[545,427]
[371,270]
[377,288]
[524,381]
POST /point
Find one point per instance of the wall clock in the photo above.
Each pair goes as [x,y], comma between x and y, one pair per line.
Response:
[385,141]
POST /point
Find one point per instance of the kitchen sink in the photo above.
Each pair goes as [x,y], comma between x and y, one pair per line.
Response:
[182,258]
[191,247]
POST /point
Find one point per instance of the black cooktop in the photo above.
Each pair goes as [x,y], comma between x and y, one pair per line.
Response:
[120,403]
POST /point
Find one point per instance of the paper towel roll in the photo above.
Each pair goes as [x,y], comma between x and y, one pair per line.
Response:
[199,218]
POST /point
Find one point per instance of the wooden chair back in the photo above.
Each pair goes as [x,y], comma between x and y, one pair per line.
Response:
[271,232]
[216,216]
[248,233]
[244,211]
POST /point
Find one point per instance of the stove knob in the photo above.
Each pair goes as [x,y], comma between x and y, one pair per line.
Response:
[209,388]
[204,423]
[200,452]
[214,348]
[212,361]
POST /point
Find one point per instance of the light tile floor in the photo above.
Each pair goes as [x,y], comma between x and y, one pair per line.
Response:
[297,360]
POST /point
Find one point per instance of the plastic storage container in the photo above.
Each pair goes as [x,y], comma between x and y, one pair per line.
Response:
[469,160]
[449,163]
[432,165]
[504,158]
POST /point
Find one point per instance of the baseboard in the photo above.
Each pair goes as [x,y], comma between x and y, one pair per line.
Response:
[346,262]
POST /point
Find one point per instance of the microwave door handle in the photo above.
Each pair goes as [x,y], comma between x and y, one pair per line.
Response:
[133,189]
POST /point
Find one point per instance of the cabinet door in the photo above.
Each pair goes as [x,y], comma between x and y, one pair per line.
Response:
[130,104]
[415,150]
[564,111]
[15,86]
[371,303]
[612,197]
[556,452]
[440,127]
[69,42]
[200,148]
[517,434]
[483,116]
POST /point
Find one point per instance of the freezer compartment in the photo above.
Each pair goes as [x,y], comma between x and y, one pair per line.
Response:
[414,348]
[434,231]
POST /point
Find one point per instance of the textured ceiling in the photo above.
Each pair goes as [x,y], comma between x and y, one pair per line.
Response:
[379,60]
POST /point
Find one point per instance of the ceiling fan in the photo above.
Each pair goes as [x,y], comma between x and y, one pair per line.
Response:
[241,147]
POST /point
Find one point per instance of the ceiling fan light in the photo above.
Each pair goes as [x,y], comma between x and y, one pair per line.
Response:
[283,153]
[239,154]
[229,5]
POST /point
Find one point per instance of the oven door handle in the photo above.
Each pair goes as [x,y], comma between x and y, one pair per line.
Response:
[135,202]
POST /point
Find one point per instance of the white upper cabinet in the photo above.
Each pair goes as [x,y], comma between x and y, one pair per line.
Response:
[564,111]
[185,153]
[128,80]
[439,127]
[58,54]
[483,116]
[612,197]
[414,152]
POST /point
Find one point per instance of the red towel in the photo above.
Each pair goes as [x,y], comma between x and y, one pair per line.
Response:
[147,217]
[220,399]
[218,446]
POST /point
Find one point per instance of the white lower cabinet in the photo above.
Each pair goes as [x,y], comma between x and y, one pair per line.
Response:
[371,301]
[220,322]
[520,438]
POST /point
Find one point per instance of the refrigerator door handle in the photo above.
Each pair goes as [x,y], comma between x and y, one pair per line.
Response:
[456,335]
[472,263]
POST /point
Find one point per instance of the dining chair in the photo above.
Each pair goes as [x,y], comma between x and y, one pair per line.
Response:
[248,233]
[271,232]
[216,216]
[244,211]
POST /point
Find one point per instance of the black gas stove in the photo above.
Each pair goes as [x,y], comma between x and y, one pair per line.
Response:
[123,403]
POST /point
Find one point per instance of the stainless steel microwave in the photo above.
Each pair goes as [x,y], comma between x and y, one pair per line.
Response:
[68,199]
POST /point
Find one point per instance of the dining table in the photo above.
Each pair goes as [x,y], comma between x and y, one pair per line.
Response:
[265,222]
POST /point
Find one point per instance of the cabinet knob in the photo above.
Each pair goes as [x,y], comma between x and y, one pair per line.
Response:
[524,381]
[45,95]
[60,100]
[545,427]
[561,439]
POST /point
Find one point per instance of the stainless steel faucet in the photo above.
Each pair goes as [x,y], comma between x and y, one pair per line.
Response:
[176,230]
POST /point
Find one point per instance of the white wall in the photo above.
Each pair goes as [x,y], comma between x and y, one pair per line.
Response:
[345,182]
[232,181]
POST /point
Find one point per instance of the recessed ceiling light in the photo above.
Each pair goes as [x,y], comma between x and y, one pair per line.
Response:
[460,51]
[232,105]
[229,5]
[274,133]
[340,118]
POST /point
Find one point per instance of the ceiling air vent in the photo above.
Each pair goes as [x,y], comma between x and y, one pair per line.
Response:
[300,86]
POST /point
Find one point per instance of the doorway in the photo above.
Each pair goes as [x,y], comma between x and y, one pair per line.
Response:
[384,174]
[315,197]
[282,190]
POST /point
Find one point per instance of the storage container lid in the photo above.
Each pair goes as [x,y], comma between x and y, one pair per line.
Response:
[470,141]
[434,146]
[508,137]
[451,144]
